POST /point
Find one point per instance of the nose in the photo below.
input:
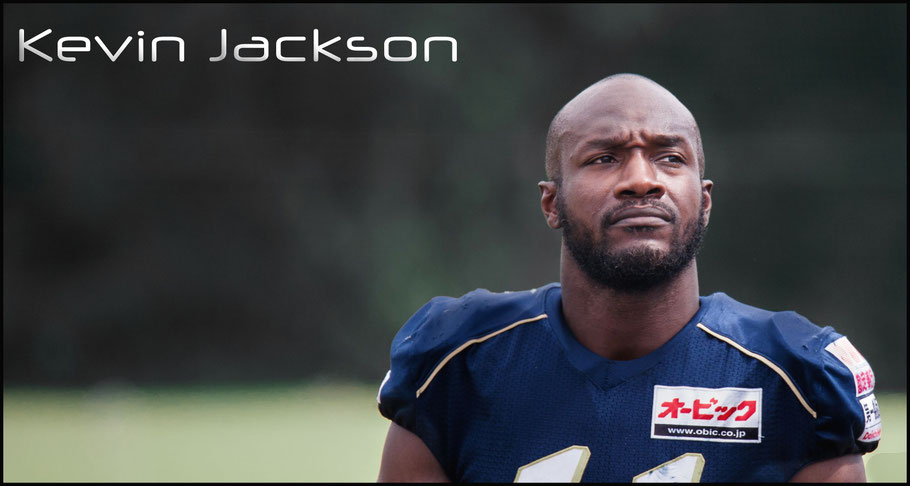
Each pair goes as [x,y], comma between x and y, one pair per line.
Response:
[639,179]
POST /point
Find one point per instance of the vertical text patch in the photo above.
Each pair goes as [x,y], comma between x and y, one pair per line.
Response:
[863,377]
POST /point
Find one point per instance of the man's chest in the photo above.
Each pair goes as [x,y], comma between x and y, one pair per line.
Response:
[669,423]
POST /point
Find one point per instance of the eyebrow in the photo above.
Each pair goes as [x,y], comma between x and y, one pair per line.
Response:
[667,140]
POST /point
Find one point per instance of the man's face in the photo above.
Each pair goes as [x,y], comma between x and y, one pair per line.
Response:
[630,199]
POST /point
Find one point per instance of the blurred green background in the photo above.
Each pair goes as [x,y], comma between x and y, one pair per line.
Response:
[178,236]
[315,432]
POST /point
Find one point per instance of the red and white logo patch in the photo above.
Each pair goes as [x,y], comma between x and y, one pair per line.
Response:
[709,414]
[863,377]
[873,430]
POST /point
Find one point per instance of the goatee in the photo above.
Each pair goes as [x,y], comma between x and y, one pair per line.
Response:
[634,270]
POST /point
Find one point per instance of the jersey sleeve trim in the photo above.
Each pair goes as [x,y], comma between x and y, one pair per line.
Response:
[767,362]
[470,342]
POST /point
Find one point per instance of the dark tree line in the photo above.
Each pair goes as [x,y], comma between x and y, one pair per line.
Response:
[234,222]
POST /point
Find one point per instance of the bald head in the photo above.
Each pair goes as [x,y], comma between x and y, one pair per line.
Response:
[629,98]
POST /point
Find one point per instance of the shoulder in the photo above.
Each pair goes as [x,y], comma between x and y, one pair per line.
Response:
[443,326]
[787,337]
[446,322]
[825,371]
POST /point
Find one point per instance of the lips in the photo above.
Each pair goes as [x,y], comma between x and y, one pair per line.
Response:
[648,215]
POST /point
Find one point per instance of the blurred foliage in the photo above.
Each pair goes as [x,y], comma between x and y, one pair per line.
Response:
[233,222]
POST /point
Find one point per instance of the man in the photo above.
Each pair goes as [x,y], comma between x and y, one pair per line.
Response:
[622,372]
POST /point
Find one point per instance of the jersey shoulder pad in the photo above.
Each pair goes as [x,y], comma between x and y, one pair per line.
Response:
[440,327]
[829,376]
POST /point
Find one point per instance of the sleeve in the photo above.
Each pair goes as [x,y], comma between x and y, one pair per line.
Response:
[848,419]
[416,349]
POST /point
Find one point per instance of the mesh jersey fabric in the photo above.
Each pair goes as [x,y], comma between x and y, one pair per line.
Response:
[488,396]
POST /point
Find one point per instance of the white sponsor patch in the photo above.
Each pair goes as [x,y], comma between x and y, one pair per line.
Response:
[863,378]
[710,414]
[873,430]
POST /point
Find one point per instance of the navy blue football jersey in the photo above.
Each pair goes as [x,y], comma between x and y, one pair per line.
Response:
[500,390]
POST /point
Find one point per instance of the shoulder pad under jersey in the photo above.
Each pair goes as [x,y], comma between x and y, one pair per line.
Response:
[436,330]
[828,375]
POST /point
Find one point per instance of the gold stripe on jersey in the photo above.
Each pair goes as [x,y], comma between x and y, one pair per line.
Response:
[766,361]
[473,341]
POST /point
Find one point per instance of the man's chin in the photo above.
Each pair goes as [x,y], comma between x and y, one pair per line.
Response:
[639,253]
[631,261]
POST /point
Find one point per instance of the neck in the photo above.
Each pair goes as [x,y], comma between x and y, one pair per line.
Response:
[622,325]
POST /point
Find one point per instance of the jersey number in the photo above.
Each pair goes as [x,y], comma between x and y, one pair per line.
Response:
[568,465]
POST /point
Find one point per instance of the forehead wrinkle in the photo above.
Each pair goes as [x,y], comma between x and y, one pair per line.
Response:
[602,142]
[625,137]
[613,141]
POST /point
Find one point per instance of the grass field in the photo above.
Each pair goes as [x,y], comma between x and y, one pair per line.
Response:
[301,433]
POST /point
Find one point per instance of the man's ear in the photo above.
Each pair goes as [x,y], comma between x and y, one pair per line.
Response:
[706,186]
[548,195]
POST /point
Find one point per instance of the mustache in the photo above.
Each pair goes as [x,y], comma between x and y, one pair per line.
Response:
[605,223]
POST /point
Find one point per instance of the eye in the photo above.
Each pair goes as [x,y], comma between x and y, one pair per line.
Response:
[604,159]
[672,159]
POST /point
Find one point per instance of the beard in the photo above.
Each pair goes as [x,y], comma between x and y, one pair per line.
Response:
[634,270]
